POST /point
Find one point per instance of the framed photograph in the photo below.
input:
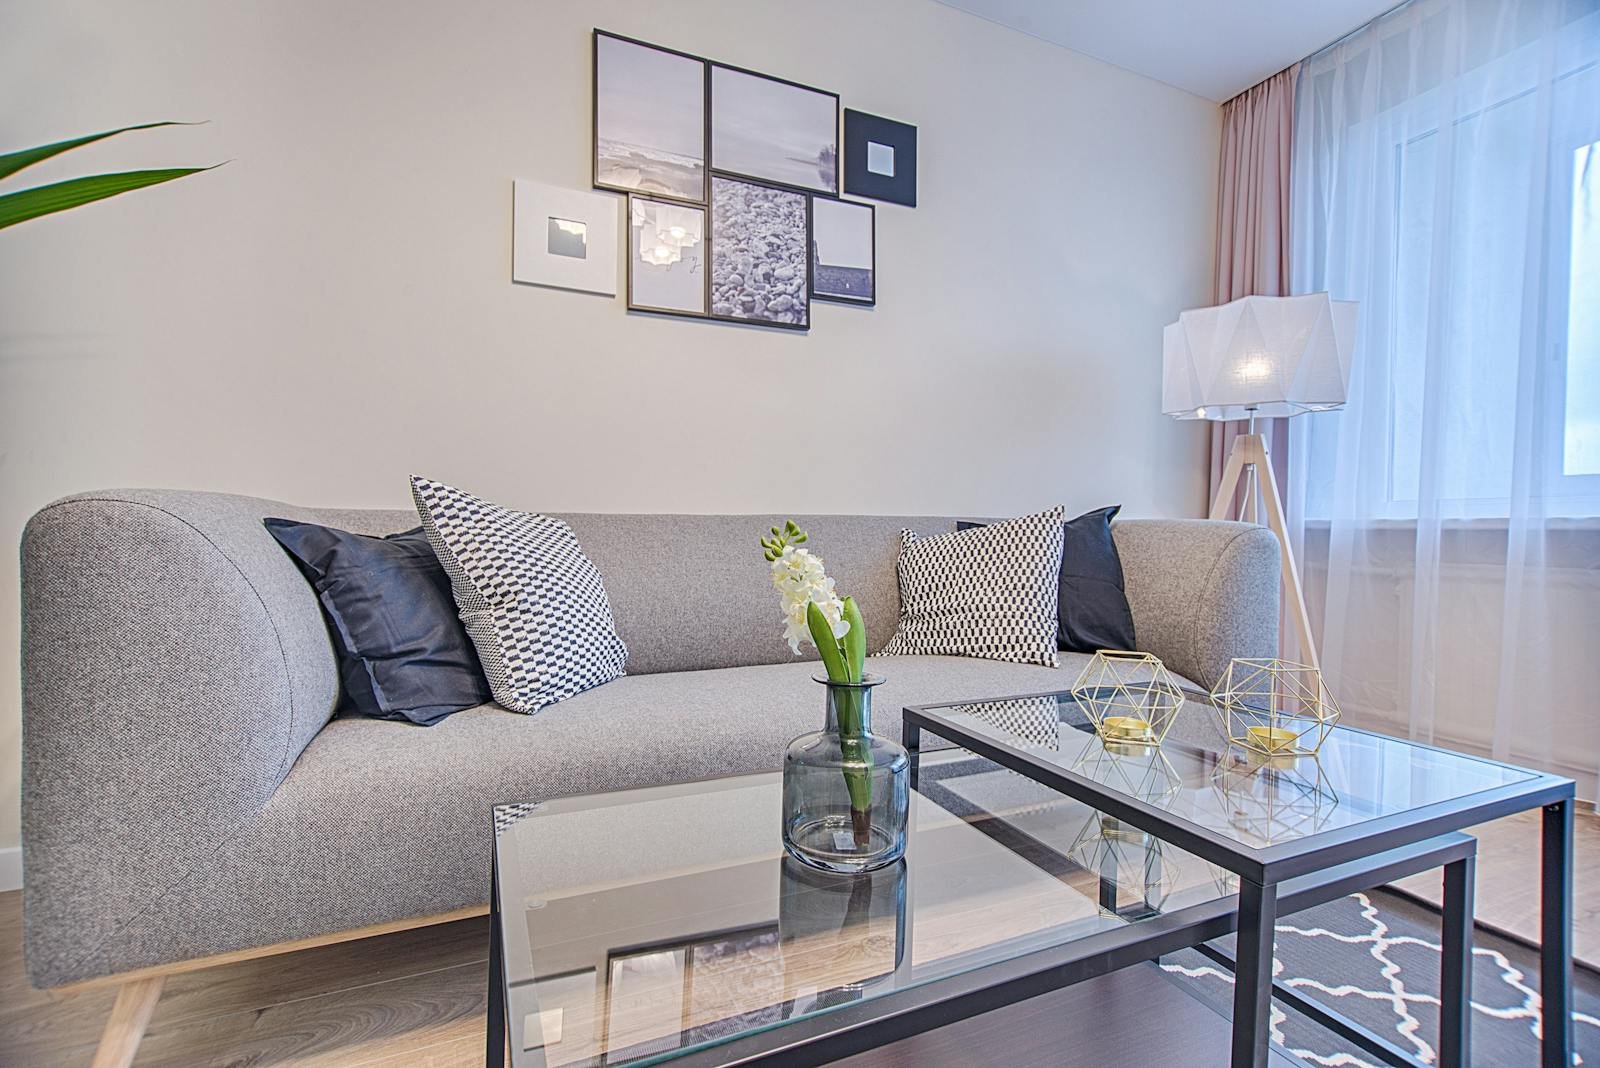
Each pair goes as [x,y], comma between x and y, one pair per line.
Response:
[666,257]
[843,251]
[649,119]
[760,254]
[880,158]
[774,131]
[566,238]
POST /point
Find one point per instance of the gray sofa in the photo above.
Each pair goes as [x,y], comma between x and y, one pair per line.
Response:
[188,792]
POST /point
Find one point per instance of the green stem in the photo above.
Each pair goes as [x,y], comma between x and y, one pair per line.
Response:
[857,754]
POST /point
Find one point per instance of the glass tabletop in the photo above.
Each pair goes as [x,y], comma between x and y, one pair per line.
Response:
[642,925]
[1254,801]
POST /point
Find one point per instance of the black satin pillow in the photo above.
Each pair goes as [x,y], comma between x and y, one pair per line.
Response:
[402,651]
[1091,607]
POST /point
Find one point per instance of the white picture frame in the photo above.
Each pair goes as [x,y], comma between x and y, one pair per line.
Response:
[564,238]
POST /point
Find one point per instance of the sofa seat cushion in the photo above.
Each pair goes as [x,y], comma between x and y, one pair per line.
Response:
[640,730]
[379,821]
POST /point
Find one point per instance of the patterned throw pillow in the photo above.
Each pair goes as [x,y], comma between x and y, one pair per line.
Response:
[988,592]
[1092,604]
[530,599]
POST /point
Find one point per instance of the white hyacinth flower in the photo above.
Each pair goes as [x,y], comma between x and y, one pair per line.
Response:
[800,579]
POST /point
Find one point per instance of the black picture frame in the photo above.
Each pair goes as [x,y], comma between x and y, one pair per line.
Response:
[705,119]
[860,130]
[787,179]
[705,269]
[712,256]
[816,264]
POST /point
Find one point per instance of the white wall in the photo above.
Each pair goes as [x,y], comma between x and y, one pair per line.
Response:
[332,310]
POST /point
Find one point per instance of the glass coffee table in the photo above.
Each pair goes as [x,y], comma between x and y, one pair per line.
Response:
[665,925]
[1270,821]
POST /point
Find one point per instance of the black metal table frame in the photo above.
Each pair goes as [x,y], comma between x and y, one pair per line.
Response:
[851,1029]
[1263,873]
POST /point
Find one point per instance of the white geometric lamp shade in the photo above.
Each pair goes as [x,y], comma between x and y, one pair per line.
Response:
[1267,356]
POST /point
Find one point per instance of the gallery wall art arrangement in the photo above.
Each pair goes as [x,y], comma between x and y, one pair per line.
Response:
[732,181]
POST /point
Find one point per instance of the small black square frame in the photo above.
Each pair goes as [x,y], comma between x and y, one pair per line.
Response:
[860,129]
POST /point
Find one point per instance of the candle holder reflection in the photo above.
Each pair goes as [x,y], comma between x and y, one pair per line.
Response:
[1274,799]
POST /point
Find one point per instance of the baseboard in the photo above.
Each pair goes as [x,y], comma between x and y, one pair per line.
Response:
[11,868]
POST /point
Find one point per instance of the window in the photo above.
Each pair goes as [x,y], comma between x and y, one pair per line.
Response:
[1464,214]
[1581,425]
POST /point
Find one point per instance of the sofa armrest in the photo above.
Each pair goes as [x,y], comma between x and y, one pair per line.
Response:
[1202,591]
[174,665]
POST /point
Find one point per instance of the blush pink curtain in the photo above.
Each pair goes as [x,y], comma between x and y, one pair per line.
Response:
[1253,229]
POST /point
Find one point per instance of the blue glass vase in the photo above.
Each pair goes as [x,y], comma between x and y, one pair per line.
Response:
[846,791]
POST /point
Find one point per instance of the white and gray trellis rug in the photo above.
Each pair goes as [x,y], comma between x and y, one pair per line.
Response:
[1375,959]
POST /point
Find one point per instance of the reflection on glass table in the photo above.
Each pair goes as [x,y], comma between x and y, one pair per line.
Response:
[649,924]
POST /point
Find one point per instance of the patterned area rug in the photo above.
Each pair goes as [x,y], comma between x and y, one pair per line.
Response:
[1374,958]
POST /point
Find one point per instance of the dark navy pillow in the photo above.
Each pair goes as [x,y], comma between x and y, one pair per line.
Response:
[1092,608]
[403,653]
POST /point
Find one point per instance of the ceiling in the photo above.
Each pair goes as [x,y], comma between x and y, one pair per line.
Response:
[1212,48]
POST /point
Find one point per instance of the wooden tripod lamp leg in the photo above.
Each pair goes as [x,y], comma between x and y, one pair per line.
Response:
[1229,486]
[136,1000]
[1251,449]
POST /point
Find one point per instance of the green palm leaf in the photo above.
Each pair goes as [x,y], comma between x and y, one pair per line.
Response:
[45,199]
[12,162]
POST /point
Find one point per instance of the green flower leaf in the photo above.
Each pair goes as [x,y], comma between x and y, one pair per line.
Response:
[74,192]
[855,640]
[822,637]
[12,162]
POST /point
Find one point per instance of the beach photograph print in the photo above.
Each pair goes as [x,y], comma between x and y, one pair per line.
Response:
[760,239]
[774,131]
[649,119]
[843,260]
[666,257]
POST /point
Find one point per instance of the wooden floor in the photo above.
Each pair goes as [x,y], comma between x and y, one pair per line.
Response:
[416,998]
[1508,879]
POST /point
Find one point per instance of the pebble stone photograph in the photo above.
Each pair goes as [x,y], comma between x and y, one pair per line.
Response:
[759,253]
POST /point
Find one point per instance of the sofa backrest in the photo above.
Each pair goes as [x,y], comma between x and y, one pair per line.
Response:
[691,592]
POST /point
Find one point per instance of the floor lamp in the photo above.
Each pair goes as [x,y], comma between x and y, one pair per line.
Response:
[1260,357]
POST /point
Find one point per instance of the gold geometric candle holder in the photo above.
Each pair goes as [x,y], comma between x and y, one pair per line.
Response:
[1275,708]
[1129,697]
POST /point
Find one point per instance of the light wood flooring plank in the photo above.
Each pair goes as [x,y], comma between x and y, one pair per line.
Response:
[344,1027]
[1508,878]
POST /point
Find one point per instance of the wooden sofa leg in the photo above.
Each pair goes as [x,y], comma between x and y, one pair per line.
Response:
[136,1000]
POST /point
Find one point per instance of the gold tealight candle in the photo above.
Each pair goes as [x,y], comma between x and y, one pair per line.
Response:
[1273,739]
[1127,728]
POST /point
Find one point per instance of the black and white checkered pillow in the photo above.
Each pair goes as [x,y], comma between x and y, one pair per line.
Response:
[531,601]
[988,592]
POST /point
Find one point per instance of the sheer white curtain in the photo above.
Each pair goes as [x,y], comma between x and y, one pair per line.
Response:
[1447,176]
